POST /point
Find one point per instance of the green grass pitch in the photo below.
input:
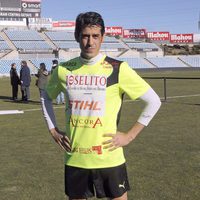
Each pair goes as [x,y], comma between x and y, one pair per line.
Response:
[163,162]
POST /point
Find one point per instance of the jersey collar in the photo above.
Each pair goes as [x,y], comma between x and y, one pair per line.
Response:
[91,61]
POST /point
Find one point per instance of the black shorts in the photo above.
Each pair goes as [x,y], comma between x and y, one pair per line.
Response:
[105,182]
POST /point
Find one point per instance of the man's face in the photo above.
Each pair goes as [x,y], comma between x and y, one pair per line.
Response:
[90,41]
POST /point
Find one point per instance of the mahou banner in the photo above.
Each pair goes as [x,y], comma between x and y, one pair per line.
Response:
[159,36]
[114,30]
[134,33]
[181,38]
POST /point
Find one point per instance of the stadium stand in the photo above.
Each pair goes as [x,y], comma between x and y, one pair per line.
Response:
[192,61]
[5,66]
[166,62]
[23,35]
[137,63]
[106,46]
[143,46]
[73,46]
[47,61]
[110,39]
[60,35]
[63,40]
[27,40]
[3,45]
[112,44]
[31,44]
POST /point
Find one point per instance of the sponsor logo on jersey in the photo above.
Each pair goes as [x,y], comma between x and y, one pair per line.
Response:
[79,80]
[85,123]
[105,64]
[69,64]
[83,150]
[111,64]
[84,105]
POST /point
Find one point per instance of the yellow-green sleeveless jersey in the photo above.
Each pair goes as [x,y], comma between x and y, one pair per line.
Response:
[93,101]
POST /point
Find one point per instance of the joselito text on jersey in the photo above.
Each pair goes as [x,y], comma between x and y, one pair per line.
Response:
[75,80]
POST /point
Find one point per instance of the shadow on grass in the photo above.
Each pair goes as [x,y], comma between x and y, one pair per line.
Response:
[5,97]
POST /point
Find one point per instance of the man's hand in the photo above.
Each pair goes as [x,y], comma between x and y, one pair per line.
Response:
[116,140]
[121,139]
[61,139]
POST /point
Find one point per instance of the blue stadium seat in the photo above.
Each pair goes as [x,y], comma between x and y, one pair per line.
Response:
[4,46]
[5,65]
[23,35]
[166,62]
[67,45]
[136,63]
[60,35]
[32,45]
[143,45]
[47,61]
[193,61]
[112,46]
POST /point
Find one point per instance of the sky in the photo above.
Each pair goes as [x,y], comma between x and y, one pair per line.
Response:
[174,16]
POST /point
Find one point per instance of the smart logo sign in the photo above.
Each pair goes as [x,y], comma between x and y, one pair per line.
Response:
[31,6]
[20,8]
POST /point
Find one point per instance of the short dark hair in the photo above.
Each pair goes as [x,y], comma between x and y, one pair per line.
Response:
[42,66]
[88,19]
[55,61]
[23,62]
[13,64]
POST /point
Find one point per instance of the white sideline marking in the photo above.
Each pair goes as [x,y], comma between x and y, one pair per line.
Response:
[36,109]
[10,112]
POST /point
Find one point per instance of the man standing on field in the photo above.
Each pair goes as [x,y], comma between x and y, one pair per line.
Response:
[94,85]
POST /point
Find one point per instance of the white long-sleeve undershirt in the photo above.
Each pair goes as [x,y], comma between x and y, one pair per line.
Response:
[152,105]
[47,109]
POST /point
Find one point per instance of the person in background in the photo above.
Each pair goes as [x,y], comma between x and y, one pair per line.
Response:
[15,81]
[60,99]
[42,77]
[25,78]
[94,85]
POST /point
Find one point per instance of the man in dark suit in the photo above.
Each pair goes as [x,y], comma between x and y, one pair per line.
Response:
[25,79]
